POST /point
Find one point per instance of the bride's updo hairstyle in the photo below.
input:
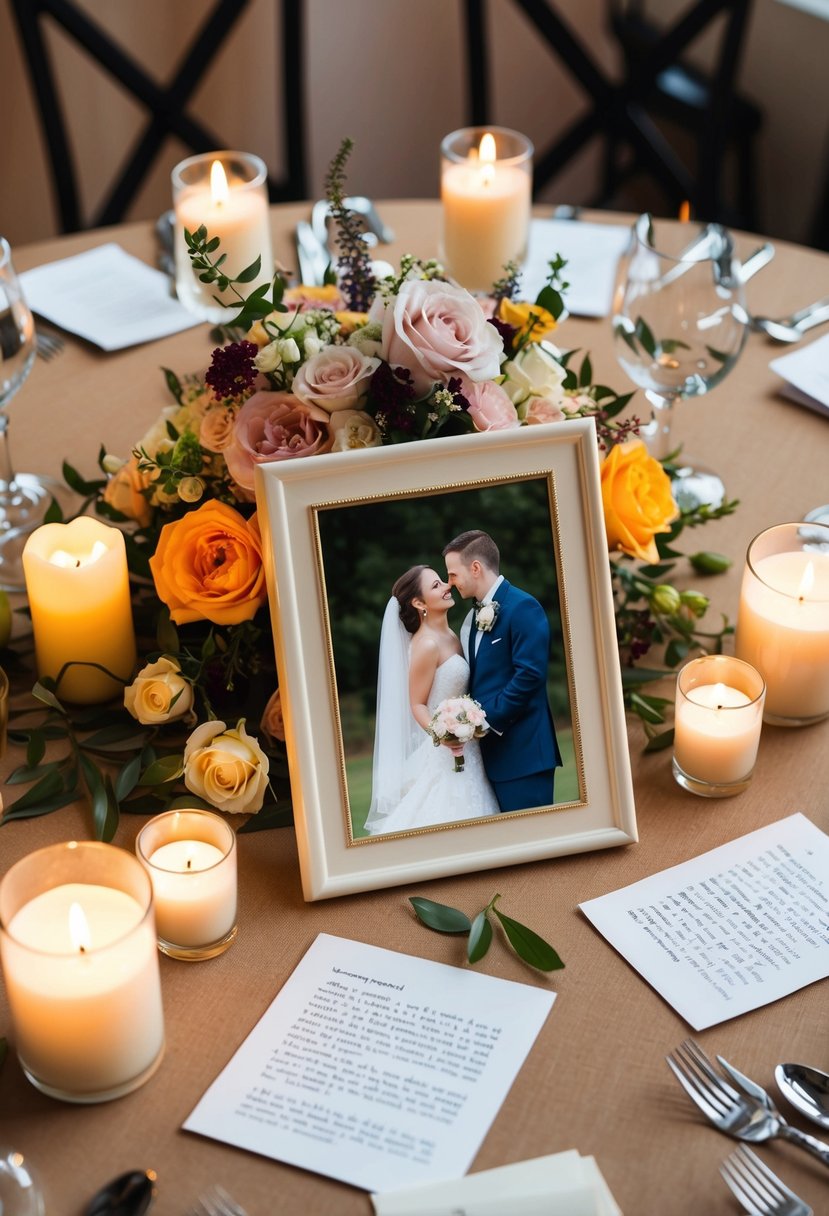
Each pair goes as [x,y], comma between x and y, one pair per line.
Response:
[406,589]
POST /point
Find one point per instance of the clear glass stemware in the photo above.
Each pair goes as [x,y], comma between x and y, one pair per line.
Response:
[679,324]
[24,497]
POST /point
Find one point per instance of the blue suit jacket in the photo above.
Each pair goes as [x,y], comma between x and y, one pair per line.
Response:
[508,676]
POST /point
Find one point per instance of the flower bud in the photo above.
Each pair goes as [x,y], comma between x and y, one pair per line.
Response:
[190,489]
[665,599]
[694,602]
[111,464]
[288,350]
[709,563]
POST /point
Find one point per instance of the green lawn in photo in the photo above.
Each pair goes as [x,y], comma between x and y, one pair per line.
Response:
[358,774]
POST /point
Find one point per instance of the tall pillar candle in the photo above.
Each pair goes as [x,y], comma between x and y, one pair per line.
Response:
[79,958]
[783,620]
[717,722]
[79,596]
[486,191]
[227,193]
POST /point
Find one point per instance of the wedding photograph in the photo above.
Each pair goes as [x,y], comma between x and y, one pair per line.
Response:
[450,656]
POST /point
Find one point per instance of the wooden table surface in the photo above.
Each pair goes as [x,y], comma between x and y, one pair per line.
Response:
[596,1079]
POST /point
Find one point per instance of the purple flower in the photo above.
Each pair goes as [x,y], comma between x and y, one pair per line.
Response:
[231,371]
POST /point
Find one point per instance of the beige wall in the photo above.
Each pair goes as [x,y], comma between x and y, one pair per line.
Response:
[389,73]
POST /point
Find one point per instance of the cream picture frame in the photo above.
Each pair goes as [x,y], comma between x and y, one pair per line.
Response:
[298,504]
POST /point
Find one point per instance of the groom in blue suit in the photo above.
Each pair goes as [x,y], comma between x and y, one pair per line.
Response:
[507,642]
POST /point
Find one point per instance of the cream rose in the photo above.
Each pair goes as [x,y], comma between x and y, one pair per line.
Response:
[273,722]
[159,693]
[436,331]
[216,429]
[335,379]
[226,767]
[534,372]
[353,429]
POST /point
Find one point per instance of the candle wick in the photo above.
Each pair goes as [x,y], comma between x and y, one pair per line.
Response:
[82,949]
[77,563]
[189,864]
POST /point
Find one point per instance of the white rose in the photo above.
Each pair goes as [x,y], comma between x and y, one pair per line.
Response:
[268,358]
[335,379]
[288,350]
[159,693]
[226,767]
[533,372]
[354,429]
[311,344]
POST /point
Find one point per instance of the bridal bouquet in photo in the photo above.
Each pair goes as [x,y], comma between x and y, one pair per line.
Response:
[355,363]
[455,721]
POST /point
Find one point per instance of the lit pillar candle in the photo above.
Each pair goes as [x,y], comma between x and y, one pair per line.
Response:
[77,942]
[783,621]
[226,192]
[190,856]
[717,723]
[79,596]
[486,189]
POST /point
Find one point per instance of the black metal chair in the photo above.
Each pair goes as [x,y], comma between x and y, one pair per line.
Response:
[166,105]
[623,112]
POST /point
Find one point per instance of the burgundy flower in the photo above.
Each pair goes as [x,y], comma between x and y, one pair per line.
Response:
[231,371]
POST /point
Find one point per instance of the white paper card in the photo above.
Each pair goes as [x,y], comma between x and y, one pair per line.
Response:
[592,252]
[563,1184]
[374,1067]
[731,930]
[807,372]
[106,296]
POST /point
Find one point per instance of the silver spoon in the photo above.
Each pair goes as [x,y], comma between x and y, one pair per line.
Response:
[807,1089]
[792,328]
[129,1194]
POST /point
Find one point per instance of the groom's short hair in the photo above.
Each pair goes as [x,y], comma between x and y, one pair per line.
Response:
[474,546]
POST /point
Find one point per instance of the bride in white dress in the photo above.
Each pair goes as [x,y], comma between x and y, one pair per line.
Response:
[414,783]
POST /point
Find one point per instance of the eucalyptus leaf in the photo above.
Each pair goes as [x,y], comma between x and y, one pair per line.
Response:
[47,788]
[55,803]
[659,742]
[35,749]
[528,945]
[24,774]
[645,335]
[646,711]
[480,937]
[104,807]
[53,513]
[127,778]
[118,737]
[440,916]
[168,768]
[279,814]
[42,693]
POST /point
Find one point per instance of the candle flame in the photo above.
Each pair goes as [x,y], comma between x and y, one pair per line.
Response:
[69,561]
[719,693]
[807,582]
[486,157]
[684,212]
[218,183]
[79,928]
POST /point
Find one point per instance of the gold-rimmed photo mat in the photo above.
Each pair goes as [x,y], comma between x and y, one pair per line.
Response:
[337,530]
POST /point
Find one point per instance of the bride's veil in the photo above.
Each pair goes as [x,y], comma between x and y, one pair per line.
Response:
[396,734]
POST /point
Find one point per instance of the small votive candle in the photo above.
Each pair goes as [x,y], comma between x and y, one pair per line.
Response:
[486,191]
[78,587]
[190,856]
[78,948]
[227,193]
[783,621]
[717,722]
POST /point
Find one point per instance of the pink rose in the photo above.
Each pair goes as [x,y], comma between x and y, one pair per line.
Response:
[489,406]
[542,409]
[437,330]
[216,430]
[274,426]
[335,379]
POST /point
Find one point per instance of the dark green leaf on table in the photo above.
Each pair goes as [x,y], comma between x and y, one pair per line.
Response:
[480,937]
[659,742]
[168,768]
[440,916]
[278,814]
[528,945]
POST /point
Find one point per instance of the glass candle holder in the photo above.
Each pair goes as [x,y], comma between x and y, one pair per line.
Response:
[486,191]
[783,621]
[78,949]
[227,193]
[718,717]
[190,856]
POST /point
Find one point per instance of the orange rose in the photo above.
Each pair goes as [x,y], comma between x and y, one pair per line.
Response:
[124,492]
[528,318]
[208,566]
[637,499]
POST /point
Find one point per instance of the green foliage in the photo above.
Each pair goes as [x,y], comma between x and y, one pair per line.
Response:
[529,947]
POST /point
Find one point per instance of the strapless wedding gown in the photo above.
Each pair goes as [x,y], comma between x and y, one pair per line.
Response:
[431,791]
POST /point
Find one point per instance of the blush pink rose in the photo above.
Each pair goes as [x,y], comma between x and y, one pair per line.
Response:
[489,406]
[274,426]
[335,379]
[542,409]
[436,331]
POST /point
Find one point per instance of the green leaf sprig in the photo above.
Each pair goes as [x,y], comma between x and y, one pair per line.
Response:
[529,947]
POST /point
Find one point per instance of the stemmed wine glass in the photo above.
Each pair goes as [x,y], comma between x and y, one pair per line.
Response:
[679,323]
[24,497]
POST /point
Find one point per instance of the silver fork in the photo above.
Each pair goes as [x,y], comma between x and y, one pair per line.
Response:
[747,1112]
[48,345]
[759,1190]
[215,1201]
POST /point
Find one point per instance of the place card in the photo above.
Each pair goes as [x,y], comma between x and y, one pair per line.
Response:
[563,1184]
[108,297]
[374,1067]
[592,252]
[806,372]
[731,930]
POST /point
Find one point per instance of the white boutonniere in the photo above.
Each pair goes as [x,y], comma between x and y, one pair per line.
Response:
[485,616]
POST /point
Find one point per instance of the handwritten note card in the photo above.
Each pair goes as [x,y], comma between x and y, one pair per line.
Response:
[374,1067]
[731,930]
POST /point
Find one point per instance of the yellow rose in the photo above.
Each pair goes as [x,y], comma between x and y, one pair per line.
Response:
[349,321]
[308,296]
[124,492]
[527,318]
[208,566]
[637,500]
[226,767]
[159,693]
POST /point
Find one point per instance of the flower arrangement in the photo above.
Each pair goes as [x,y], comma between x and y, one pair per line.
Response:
[355,363]
[455,721]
